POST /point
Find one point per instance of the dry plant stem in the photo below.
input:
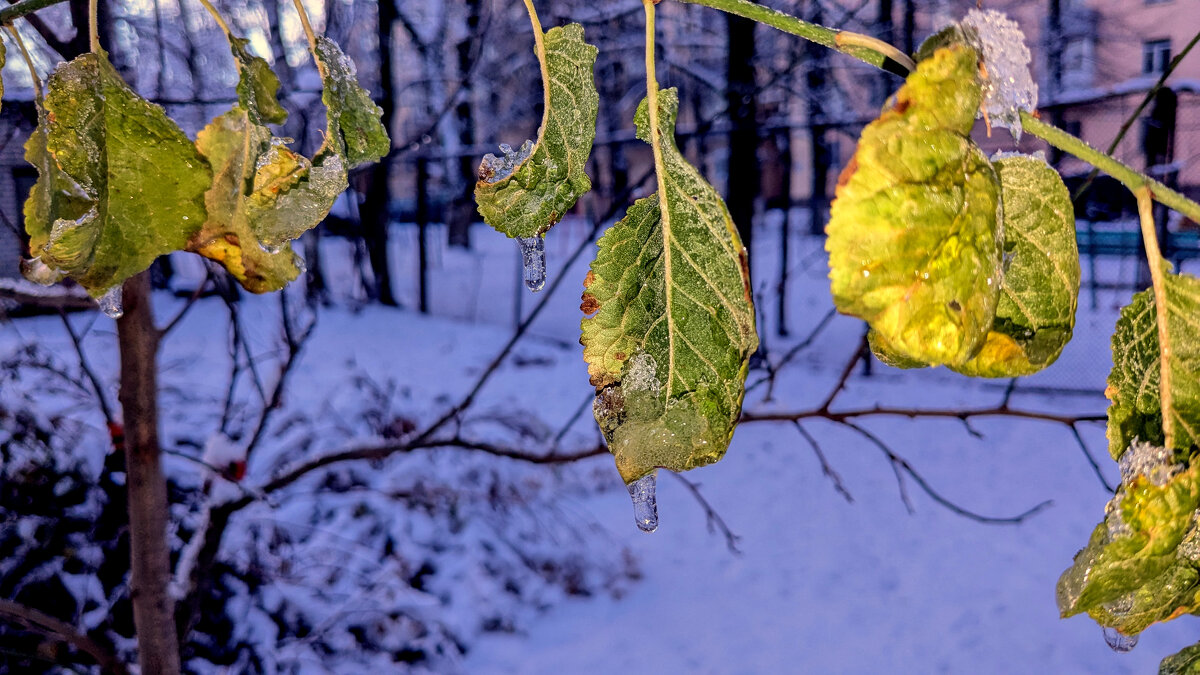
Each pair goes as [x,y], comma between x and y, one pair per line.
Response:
[49,626]
[94,26]
[13,12]
[1145,202]
[37,82]
[153,611]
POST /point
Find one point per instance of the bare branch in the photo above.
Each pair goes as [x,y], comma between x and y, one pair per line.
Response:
[186,306]
[49,626]
[900,464]
[86,367]
[1091,460]
[859,353]
[714,519]
[826,468]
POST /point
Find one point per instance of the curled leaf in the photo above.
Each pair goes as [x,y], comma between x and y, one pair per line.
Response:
[671,321]
[525,193]
[914,238]
[1142,564]
[1035,316]
[119,185]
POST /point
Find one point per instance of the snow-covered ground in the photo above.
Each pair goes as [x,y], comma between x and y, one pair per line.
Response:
[821,585]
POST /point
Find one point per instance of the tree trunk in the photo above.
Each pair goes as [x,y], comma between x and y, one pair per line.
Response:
[153,613]
[463,213]
[374,211]
[741,96]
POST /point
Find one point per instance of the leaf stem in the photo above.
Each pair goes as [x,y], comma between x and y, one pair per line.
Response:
[539,47]
[94,25]
[308,30]
[862,47]
[37,82]
[1145,202]
[221,20]
[13,12]
[652,102]
[1128,176]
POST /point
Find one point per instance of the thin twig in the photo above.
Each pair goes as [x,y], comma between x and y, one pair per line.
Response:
[826,468]
[901,464]
[86,367]
[191,301]
[714,519]
[859,352]
[1090,460]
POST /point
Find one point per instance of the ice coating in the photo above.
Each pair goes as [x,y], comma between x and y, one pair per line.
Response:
[1118,641]
[37,271]
[1117,527]
[642,375]
[1151,461]
[1189,548]
[645,506]
[495,169]
[533,262]
[1009,87]
[110,303]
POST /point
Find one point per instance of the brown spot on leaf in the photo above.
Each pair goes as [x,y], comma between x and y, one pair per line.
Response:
[590,304]
[620,356]
[589,279]
[744,262]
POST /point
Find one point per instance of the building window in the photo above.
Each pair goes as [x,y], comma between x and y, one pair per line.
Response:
[1156,54]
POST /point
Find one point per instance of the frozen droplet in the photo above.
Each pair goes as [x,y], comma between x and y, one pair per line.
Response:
[1146,459]
[1009,87]
[533,261]
[645,507]
[300,264]
[39,272]
[1118,641]
[495,169]
[110,303]
[270,247]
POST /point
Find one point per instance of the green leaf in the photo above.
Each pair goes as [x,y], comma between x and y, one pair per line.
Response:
[353,117]
[913,237]
[1184,662]
[1040,291]
[526,193]
[291,194]
[1133,385]
[671,325]
[120,183]
[1141,564]
[234,144]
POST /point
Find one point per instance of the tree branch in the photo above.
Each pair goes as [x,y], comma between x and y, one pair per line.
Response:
[714,519]
[49,626]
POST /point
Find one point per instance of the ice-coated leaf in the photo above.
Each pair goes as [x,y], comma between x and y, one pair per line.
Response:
[120,183]
[1184,662]
[1141,564]
[352,115]
[1136,410]
[525,193]
[292,194]
[234,144]
[670,324]
[914,240]
[1040,289]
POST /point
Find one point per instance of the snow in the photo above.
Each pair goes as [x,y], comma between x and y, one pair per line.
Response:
[534,569]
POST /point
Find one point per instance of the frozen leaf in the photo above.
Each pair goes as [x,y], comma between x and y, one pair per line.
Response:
[1133,385]
[914,240]
[523,194]
[120,183]
[1135,570]
[1184,662]
[291,194]
[1040,287]
[236,145]
[352,116]
[670,324]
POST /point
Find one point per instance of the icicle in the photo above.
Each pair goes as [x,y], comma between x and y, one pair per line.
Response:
[300,264]
[1118,641]
[533,259]
[645,508]
[110,303]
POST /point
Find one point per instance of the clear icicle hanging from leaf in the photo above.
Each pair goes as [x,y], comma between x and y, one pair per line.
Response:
[525,193]
[645,503]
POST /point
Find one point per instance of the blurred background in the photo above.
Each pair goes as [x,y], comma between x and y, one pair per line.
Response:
[503,543]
